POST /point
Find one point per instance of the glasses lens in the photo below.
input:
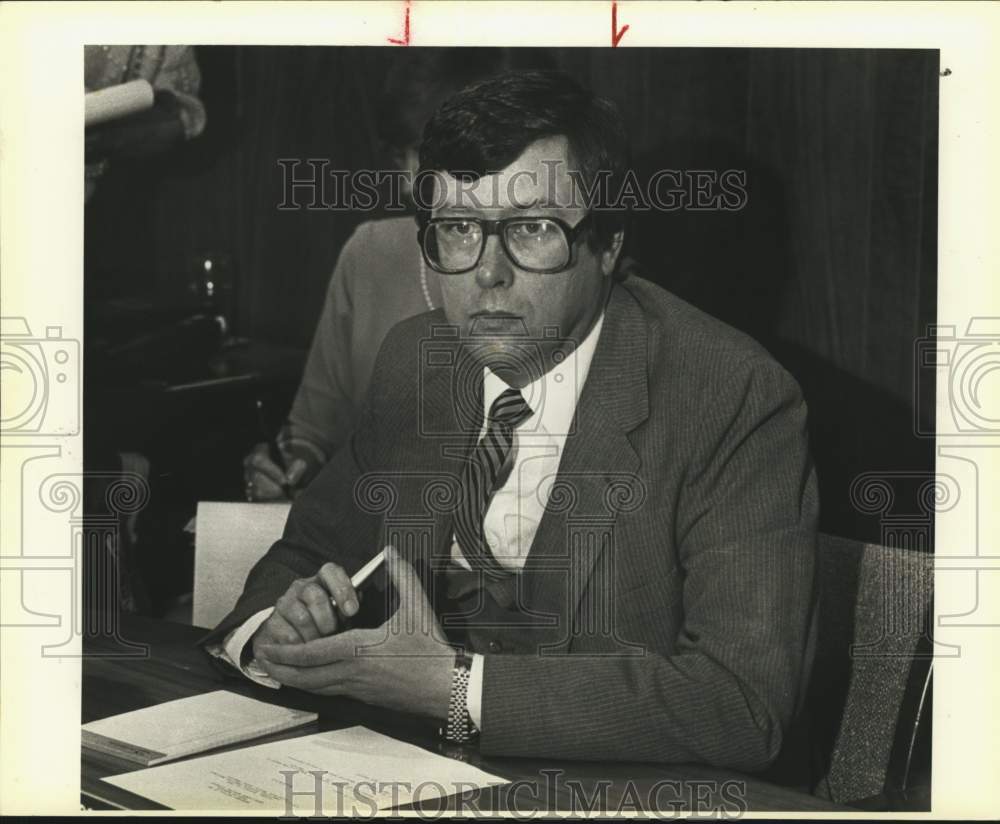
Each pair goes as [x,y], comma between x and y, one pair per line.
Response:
[537,244]
[453,245]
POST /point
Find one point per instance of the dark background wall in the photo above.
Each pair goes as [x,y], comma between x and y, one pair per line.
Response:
[831,264]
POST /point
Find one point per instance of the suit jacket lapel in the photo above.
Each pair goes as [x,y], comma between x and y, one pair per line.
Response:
[452,405]
[597,474]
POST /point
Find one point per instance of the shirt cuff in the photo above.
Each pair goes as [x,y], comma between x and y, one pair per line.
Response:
[231,649]
[474,693]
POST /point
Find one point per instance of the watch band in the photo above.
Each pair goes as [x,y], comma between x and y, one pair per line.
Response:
[459,728]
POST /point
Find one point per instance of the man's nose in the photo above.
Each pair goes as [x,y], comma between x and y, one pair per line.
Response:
[494,268]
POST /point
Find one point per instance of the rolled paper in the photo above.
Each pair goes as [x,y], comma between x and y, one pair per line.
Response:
[117,101]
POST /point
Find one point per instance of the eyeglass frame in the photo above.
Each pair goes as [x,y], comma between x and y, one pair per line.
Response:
[496,227]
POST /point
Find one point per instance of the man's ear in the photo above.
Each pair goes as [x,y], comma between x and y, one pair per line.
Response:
[609,257]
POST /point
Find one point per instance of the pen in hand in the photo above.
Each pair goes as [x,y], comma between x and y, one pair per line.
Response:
[273,452]
[363,574]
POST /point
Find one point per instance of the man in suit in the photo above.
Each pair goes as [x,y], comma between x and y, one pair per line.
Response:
[606,495]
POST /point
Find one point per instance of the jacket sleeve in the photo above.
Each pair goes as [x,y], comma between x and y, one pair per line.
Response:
[745,530]
[326,404]
[325,522]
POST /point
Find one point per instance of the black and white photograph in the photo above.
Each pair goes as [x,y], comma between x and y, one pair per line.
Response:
[528,427]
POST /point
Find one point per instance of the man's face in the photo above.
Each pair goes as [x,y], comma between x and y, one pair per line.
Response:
[507,310]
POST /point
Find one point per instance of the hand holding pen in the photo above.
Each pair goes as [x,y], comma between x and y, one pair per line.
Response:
[317,607]
[270,474]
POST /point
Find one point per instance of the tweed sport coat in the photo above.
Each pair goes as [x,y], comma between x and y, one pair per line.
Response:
[670,583]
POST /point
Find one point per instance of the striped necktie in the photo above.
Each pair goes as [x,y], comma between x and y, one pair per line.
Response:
[479,479]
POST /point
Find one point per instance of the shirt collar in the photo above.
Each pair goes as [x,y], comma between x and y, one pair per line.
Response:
[553,396]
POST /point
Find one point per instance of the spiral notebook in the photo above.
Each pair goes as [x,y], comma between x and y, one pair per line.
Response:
[186,726]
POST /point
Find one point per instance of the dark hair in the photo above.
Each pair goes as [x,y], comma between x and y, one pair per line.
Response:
[486,126]
[418,80]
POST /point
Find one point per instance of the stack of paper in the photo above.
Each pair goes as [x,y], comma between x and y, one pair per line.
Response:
[187,726]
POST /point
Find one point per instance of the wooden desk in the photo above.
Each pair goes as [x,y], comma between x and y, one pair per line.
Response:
[175,668]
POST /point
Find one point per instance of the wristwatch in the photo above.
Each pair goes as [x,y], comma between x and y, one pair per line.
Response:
[459,728]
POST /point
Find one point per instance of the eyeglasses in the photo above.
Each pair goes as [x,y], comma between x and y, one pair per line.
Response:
[544,245]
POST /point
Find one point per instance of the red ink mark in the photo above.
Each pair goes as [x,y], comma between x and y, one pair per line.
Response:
[616,34]
[406,29]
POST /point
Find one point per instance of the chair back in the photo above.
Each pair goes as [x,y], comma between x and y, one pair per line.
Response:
[872,666]
[229,539]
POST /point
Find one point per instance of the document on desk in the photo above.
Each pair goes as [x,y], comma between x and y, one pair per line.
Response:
[349,772]
[186,726]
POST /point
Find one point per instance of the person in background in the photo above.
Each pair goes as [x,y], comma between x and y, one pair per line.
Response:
[380,277]
[177,114]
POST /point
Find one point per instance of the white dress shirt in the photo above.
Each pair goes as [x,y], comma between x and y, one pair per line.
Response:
[515,509]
